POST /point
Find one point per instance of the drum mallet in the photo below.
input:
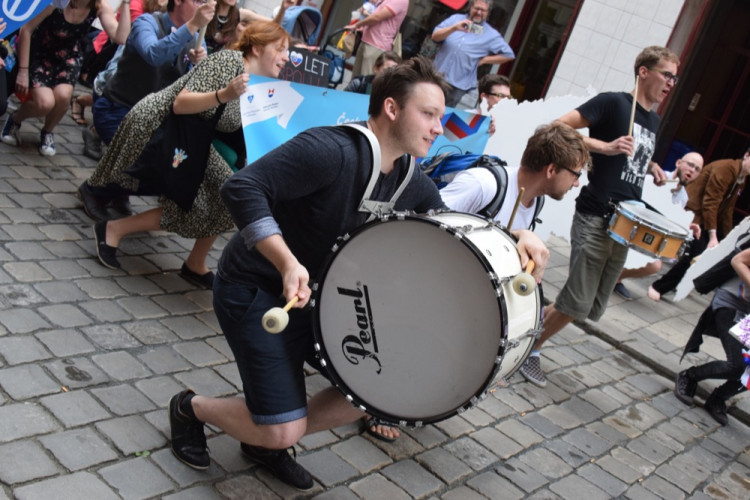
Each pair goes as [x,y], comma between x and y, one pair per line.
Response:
[515,207]
[524,283]
[276,318]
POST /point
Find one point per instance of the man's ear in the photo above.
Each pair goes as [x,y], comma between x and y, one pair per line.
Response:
[390,107]
[550,169]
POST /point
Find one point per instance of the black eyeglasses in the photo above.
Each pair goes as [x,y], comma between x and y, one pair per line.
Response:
[500,95]
[668,75]
[577,174]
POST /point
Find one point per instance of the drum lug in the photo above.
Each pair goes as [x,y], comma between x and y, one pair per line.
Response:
[633,232]
[662,246]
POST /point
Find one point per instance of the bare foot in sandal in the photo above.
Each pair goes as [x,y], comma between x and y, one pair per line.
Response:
[381,430]
[76,111]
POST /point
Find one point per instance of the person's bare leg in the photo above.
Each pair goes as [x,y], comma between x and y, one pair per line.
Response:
[554,321]
[652,267]
[63,94]
[150,220]
[196,261]
[328,409]
[41,103]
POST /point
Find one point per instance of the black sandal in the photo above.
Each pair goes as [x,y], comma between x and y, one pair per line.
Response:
[370,422]
[77,114]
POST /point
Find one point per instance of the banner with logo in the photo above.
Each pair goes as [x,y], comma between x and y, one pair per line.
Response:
[306,67]
[274,111]
[16,13]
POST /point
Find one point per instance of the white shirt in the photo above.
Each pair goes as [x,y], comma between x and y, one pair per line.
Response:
[679,197]
[473,189]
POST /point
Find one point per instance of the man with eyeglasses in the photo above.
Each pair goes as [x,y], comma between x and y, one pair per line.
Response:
[621,160]
[467,41]
[552,162]
[686,171]
[711,197]
[492,89]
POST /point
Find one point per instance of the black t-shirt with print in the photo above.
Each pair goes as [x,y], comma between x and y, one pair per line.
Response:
[616,178]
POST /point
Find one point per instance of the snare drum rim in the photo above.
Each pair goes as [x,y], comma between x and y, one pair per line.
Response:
[623,208]
[331,371]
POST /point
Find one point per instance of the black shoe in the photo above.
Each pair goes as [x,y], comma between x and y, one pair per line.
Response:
[684,388]
[122,205]
[92,145]
[93,206]
[199,280]
[188,440]
[105,252]
[282,466]
[717,409]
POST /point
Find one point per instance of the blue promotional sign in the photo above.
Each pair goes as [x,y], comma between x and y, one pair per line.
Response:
[274,111]
[16,13]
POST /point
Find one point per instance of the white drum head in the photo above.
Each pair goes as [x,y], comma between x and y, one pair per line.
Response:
[408,322]
[639,213]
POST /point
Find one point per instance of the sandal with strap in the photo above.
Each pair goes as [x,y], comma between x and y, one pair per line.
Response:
[370,423]
[76,112]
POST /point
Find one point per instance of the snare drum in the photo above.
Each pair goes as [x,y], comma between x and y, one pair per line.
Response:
[646,231]
[412,314]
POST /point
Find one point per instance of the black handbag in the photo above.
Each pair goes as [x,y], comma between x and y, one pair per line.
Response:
[173,163]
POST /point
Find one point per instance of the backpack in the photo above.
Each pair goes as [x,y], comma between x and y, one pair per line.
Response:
[443,168]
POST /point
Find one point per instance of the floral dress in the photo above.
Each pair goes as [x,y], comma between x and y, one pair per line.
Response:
[56,51]
[208,215]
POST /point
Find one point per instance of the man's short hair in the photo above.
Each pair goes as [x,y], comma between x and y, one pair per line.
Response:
[651,56]
[556,143]
[398,81]
[488,81]
[388,55]
[488,2]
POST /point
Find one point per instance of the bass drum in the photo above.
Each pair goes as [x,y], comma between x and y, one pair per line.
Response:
[410,315]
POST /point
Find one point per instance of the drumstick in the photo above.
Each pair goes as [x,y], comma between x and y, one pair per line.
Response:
[632,109]
[515,207]
[276,318]
[530,266]
[201,37]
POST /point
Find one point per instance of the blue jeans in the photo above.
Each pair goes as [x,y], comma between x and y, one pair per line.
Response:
[107,117]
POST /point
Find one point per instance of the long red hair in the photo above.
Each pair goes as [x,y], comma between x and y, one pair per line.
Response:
[260,34]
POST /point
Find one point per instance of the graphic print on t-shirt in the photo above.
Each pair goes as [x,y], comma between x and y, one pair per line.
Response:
[645,144]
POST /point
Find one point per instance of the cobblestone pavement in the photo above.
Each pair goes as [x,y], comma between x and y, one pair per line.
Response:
[89,358]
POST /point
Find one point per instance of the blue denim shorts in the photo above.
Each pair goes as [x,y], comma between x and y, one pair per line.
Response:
[270,365]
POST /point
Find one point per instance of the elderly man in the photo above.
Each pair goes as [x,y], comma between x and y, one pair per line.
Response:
[467,42]
[686,171]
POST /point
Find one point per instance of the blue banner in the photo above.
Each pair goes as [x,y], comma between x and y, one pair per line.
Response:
[274,111]
[16,13]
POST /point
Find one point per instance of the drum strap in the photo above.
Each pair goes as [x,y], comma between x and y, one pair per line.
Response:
[373,207]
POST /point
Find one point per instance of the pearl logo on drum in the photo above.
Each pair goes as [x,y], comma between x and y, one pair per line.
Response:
[364,345]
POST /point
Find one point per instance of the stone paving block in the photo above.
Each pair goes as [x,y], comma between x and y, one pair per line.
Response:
[634,461]
[602,479]
[21,321]
[69,486]
[75,373]
[78,448]
[414,479]
[582,410]
[545,462]
[733,438]
[199,353]
[150,332]
[123,399]
[647,448]
[159,389]
[225,452]
[532,394]
[361,454]
[22,349]
[206,381]
[65,343]
[188,328]
[477,417]
[574,486]
[606,432]
[618,469]
[570,454]
[163,359]
[495,487]
[650,384]
[64,316]
[733,480]
[667,405]
[110,337]
[131,434]
[662,488]
[142,307]
[220,344]
[318,440]
[598,398]
[461,493]
[23,420]
[509,397]
[60,291]
[100,288]
[74,408]
[340,493]
[373,487]
[455,426]
[588,442]
[176,304]
[231,374]
[561,416]
[623,427]
[519,432]
[521,475]
[27,272]
[472,453]
[23,461]
[327,467]
[542,425]
[718,450]
[665,440]
[121,365]
[19,296]
[196,493]
[444,465]
[137,285]
[137,478]
[428,436]
[182,474]
[497,442]
[104,311]
[402,448]
[27,381]
[615,394]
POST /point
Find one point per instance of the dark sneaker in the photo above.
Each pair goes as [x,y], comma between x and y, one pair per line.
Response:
[105,252]
[11,132]
[188,440]
[717,409]
[47,144]
[622,291]
[199,280]
[684,388]
[531,370]
[282,466]
[92,205]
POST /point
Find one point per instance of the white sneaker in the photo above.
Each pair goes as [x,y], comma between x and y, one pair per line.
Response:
[11,132]
[47,146]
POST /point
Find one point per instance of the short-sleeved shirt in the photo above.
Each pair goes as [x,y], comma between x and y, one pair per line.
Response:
[460,52]
[381,35]
[616,178]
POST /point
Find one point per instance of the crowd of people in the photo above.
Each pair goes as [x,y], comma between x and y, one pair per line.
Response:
[290,206]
